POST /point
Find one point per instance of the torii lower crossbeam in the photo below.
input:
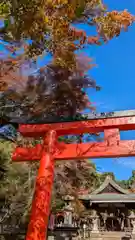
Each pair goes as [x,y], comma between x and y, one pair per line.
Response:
[52,150]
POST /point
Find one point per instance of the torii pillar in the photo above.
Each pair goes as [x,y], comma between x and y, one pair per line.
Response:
[51,150]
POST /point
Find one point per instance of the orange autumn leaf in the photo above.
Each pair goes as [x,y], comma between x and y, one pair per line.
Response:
[93,40]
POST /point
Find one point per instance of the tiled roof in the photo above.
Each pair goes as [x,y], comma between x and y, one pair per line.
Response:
[107,197]
[110,181]
[120,194]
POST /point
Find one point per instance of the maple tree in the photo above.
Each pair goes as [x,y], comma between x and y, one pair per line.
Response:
[57,88]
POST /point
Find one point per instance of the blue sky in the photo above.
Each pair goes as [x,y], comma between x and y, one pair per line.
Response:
[115,74]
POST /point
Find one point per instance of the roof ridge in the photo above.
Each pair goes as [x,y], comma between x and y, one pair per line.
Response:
[109,180]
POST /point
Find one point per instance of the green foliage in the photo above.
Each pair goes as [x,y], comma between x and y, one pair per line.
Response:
[131,181]
[124,184]
[4,8]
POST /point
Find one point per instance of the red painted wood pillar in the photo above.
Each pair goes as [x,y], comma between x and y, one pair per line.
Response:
[37,228]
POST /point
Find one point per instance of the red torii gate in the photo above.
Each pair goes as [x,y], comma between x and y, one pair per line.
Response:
[52,150]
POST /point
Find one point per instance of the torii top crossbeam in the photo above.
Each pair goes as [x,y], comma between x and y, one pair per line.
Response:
[124,120]
[112,146]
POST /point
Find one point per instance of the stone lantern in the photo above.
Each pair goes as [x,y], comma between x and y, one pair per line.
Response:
[95,219]
[67,230]
[68,210]
[132,218]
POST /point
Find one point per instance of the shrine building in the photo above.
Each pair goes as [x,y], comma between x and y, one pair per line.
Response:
[110,214]
[113,207]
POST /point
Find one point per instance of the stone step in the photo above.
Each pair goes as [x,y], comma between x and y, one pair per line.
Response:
[116,236]
[110,236]
[114,233]
[106,238]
